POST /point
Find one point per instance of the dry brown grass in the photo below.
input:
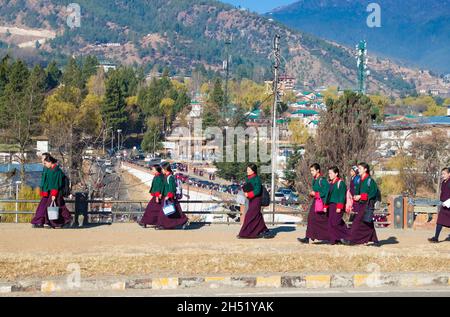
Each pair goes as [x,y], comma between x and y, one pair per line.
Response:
[185,264]
[125,249]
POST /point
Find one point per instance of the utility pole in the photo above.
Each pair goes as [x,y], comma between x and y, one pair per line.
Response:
[119,131]
[276,70]
[112,140]
[226,66]
[362,60]
[104,137]
[154,144]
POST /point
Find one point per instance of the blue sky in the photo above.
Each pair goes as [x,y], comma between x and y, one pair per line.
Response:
[260,6]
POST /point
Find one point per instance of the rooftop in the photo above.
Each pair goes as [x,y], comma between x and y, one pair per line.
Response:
[412,122]
[306,112]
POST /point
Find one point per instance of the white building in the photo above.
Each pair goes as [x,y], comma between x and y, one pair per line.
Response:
[399,132]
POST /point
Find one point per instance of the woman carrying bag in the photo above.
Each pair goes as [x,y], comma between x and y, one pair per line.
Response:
[317,228]
[170,216]
[363,227]
[354,182]
[254,226]
[335,204]
[154,207]
[51,186]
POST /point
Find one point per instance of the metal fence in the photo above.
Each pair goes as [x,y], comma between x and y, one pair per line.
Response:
[425,206]
[225,211]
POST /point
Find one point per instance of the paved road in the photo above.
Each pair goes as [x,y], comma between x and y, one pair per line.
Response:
[230,292]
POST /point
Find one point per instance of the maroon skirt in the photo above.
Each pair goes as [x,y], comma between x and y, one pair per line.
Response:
[152,211]
[41,216]
[336,226]
[254,223]
[444,217]
[362,232]
[173,221]
[317,228]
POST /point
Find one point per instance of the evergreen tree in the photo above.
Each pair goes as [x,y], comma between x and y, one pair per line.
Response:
[114,109]
[89,68]
[53,76]
[4,72]
[217,95]
[343,137]
[73,75]
[22,104]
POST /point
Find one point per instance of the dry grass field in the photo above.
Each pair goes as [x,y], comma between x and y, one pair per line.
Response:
[127,249]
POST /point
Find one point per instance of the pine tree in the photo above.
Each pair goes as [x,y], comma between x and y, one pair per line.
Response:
[22,105]
[73,75]
[217,95]
[113,111]
[4,71]
[53,76]
[89,67]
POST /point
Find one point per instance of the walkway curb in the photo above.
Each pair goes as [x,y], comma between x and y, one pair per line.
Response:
[305,281]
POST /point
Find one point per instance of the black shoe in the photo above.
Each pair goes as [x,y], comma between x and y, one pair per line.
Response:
[268,235]
[37,226]
[143,225]
[66,226]
[433,240]
[304,240]
[345,242]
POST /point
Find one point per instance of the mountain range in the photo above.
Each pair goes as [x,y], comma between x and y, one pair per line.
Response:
[185,35]
[416,32]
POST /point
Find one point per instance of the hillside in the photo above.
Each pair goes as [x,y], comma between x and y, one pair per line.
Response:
[184,34]
[415,31]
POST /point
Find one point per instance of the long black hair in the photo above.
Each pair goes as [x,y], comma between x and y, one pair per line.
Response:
[157,168]
[253,167]
[50,159]
[166,166]
[366,166]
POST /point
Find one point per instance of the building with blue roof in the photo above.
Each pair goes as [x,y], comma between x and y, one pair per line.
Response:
[400,131]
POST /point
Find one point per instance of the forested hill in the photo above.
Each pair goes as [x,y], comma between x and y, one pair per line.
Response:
[185,34]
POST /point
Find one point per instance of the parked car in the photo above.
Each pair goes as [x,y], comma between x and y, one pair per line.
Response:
[293,198]
[154,161]
[279,197]
[286,192]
